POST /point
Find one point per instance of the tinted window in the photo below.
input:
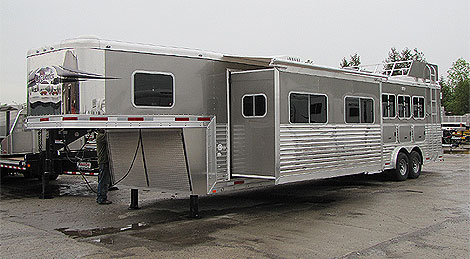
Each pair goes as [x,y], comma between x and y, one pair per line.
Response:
[153,89]
[367,111]
[260,105]
[318,113]
[352,109]
[359,110]
[305,108]
[248,106]
[299,108]
[254,105]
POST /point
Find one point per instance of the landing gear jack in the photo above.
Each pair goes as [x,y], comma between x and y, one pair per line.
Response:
[134,199]
[194,207]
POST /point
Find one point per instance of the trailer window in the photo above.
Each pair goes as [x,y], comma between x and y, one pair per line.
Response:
[367,111]
[254,105]
[352,109]
[308,108]
[418,107]
[359,110]
[153,89]
[388,105]
[404,109]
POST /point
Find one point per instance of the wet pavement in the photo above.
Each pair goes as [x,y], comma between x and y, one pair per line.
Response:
[366,216]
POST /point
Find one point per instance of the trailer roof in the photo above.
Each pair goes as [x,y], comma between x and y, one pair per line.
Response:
[92,42]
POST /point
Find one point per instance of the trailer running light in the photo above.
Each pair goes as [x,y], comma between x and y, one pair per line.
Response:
[203,119]
[214,191]
[387,163]
[428,158]
[135,119]
[44,119]
[70,118]
[239,182]
[181,119]
[13,167]
[28,165]
[99,118]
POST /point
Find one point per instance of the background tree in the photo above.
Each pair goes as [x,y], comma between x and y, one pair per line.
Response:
[405,55]
[354,61]
[456,88]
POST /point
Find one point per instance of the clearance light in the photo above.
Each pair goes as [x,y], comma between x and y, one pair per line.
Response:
[214,191]
[181,119]
[28,165]
[135,119]
[203,119]
[239,182]
[44,119]
[70,118]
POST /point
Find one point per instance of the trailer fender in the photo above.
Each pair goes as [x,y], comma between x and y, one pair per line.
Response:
[396,151]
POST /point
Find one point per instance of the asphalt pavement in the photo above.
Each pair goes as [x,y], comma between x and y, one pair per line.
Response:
[362,216]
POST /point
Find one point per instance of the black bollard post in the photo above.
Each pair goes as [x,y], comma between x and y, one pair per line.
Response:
[134,199]
[194,207]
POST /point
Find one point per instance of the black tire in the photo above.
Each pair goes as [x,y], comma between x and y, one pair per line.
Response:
[414,165]
[402,169]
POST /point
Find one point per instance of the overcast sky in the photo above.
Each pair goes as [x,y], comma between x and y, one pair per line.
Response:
[324,31]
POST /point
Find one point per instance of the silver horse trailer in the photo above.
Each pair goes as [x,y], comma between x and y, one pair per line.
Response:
[201,122]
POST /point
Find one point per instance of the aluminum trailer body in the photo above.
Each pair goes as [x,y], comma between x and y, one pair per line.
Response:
[201,122]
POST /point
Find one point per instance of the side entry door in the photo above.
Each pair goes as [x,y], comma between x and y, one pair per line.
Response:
[251,124]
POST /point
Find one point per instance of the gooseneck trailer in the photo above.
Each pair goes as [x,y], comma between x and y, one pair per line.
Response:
[203,123]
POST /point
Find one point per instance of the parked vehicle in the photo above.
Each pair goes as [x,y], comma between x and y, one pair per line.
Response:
[21,150]
[205,123]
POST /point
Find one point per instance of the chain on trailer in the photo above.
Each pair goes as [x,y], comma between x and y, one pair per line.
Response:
[79,159]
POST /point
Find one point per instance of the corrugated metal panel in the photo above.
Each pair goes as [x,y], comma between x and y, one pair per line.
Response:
[433,141]
[221,151]
[164,155]
[238,149]
[305,148]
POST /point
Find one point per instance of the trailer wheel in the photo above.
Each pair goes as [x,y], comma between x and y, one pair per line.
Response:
[415,165]
[402,168]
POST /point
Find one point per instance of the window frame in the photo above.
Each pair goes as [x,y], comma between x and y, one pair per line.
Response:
[152,73]
[308,93]
[396,104]
[360,109]
[254,106]
[411,107]
[424,107]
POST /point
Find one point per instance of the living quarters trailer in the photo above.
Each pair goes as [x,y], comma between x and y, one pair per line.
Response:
[204,123]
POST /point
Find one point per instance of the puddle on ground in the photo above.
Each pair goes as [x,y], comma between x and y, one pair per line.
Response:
[186,233]
[84,233]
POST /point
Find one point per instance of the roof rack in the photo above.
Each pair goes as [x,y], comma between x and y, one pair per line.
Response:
[411,68]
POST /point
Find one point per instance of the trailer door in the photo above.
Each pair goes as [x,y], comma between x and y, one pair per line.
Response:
[252,131]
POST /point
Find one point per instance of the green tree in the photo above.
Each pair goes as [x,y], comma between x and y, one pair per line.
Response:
[456,88]
[405,55]
[354,61]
